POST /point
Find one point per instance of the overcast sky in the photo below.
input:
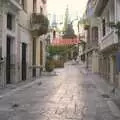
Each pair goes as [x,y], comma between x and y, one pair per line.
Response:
[76,7]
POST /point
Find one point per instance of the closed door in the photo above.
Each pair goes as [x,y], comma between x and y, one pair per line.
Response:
[24,64]
[41,53]
[34,57]
[8,53]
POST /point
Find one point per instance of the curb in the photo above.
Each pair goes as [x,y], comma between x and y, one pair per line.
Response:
[19,88]
[114,109]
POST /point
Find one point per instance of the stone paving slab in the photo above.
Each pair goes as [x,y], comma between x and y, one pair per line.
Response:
[105,88]
[71,95]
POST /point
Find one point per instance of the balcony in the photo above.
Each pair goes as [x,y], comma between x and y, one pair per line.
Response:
[86,27]
[39,24]
[109,40]
[44,1]
[16,3]
[99,6]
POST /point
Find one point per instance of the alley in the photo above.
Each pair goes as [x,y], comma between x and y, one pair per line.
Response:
[70,95]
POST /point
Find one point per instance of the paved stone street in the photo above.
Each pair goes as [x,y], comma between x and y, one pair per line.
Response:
[70,95]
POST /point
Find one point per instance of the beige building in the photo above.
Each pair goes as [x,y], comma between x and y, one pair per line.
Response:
[17,48]
[39,25]
[25,40]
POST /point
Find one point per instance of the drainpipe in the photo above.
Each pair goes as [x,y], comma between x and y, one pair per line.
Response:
[115,12]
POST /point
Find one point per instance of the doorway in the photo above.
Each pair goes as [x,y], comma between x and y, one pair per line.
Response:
[34,57]
[8,60]
[24,63]
[41,53]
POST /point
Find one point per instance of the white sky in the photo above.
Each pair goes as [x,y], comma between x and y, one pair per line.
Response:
[76,7]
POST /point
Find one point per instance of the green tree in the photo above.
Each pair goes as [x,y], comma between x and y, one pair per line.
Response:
[59,50]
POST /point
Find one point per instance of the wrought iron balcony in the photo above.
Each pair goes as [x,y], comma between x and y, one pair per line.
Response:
[99,6]
[44,1]
[86,27]
[16,3]
[39,24]
[109,40]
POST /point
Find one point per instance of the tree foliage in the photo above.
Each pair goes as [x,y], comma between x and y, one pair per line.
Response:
[53,50]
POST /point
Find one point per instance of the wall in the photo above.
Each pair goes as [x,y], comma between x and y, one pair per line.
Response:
[24,36]
[40,3]
[24,15]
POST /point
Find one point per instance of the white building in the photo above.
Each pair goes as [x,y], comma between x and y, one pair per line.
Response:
[91,38]
[108,11]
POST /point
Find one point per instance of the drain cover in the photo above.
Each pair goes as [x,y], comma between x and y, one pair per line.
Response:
[105,96]
[15,105]
[39,83]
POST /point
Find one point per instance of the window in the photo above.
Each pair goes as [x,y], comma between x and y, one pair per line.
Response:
[23,3]
[103,27]
[9,21]
[95,33]
[88,34]
[54,34]
[41,10]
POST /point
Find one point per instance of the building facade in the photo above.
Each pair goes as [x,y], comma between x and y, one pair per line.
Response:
[102,52]
[9,10]
[16,40]
[39,28]
[91,38]
[108,11]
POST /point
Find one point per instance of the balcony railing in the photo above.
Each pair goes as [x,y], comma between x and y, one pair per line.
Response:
[39,24]
[109,40]
[16,3]
[44,1]
[99,6]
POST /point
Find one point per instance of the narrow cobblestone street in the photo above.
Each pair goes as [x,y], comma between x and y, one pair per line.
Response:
[70,95]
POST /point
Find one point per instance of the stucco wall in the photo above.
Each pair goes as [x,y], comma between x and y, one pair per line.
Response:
[39,3]
[24,15]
